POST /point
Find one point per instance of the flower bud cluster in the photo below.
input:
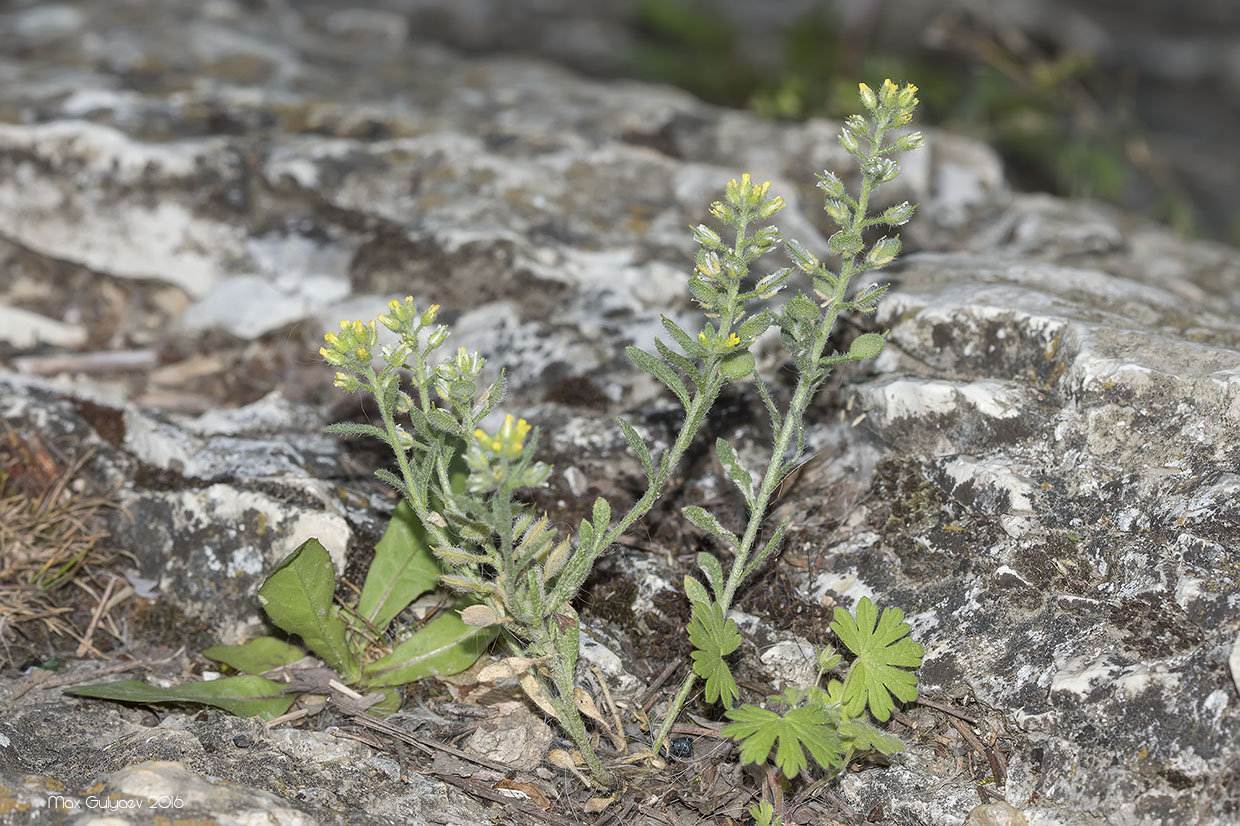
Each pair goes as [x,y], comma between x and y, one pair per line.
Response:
[500,460]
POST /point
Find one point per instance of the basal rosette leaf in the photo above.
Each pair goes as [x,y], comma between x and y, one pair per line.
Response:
[713,638]
[883,654]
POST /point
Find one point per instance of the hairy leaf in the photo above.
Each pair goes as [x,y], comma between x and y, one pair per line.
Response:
[804,728]
[714,572]
[694,590]
[858,736]
[707,522]
[713,638]
[686,342]
[661,371]
[246,696]
[681,363]
[734,469]
[637,446]
[883,653]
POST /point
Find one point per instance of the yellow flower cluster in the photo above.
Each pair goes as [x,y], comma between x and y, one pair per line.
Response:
[352,344]
[508,441]
[901,102]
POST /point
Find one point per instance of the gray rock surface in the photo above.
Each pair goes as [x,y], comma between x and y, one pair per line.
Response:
[1045,478]
[60,762]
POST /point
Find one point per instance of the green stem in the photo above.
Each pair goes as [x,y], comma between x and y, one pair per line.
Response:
[808,383]
[402,460]
[565,684]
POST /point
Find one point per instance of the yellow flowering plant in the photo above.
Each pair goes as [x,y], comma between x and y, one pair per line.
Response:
[460,479]
[462,525]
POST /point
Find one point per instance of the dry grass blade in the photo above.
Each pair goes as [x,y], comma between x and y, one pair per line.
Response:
[50,534]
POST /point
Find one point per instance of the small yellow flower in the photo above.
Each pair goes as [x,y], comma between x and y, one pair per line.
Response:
[362,353]
[332,339]
[732,341]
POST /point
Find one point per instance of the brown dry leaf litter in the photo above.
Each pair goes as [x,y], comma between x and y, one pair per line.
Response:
[56,579]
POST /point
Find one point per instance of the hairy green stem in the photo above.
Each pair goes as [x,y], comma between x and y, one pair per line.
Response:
[807,385]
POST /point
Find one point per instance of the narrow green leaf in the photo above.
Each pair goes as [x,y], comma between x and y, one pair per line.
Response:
[602,515]
[686,342]
[678,361]
[713,638]
[772,410]
[661,371]
[585,535]
[403,569]
[734,469]
[638,447]
[355,429]
[694,591]
[861,737]
[390,478]
[298,598]
[714,573]
[256,656]
[772,545]
[707,522]
[883,653]
[807,727]
[246,696]
[446,645]
[755,326]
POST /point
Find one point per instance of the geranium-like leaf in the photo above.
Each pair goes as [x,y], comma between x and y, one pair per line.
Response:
[883,653]
[807,728]
[713,638]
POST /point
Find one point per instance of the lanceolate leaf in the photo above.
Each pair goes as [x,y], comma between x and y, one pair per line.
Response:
[707,522]
[637,446]
[714,572]
[734,469]
[247,696]
[883,653]
[355,429]
[403,569]
[858,736]
[804,728]
[661,371]
[446,645]
[686,342]
[714,638]
[678,361]
[298,598]
[694,590]
[256,656]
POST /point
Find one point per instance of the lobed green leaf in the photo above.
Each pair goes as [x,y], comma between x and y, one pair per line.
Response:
[883,653]
[714,637]
[804,728]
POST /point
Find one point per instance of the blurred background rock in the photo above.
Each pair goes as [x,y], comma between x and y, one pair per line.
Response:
[1135,102]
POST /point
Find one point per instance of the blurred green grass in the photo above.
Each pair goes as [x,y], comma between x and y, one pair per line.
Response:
[1061,124]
